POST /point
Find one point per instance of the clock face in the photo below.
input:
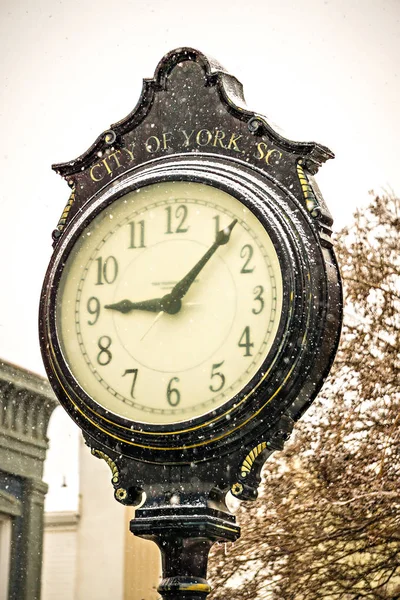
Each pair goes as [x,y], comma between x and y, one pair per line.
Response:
[169,302]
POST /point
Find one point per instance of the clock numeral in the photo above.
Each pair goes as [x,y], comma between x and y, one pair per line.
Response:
[107,270]
[104,356]
[258,297]
[181,213]
[220,377]
[93,308]
[173,394]
[244,341]
[135,374]
[247,253]
[137,237]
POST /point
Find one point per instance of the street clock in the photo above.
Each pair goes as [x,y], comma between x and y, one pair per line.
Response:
[192,306]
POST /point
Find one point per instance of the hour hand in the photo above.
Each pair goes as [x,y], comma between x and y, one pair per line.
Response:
[126,306]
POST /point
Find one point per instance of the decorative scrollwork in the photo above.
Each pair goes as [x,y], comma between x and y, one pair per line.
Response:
[110,136]
[249,472]
[248,462]
[312,203]
[63,219]
[111,464]
[255,124]
[241,490]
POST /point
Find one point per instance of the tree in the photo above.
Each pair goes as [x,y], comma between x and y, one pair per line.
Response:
[327,524]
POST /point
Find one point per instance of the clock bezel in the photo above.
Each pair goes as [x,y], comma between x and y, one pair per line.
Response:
[248,409]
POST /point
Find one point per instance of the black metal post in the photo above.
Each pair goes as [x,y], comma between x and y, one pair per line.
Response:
[184,535]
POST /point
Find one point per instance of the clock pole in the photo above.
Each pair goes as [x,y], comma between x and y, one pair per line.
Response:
[184,536]
[184,510]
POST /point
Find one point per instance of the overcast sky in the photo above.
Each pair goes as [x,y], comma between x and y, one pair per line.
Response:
[324,71]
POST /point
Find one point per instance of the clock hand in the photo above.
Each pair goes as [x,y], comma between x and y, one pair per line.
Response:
[160,314]
[167,303]
[171,303]
[126,306]
[182,287]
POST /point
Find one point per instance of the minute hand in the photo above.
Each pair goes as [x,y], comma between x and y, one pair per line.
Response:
[182,287]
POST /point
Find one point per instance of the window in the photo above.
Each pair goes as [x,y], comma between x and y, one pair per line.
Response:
[5,550]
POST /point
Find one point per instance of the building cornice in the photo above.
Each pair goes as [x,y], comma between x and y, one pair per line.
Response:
[26,404]
[27,380]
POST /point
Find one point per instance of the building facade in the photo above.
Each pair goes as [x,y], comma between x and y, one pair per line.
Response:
[91,553]
[26,404]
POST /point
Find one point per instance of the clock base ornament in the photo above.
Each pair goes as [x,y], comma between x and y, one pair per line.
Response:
[184,511]
[184,536]
[192,307]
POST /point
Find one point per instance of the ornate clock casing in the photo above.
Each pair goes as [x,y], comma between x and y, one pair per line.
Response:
[192,306]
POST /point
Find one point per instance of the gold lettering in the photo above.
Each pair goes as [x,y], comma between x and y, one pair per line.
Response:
[130,152]
[92,173]
[219,136]
[264,153]
[165,139]
[199,137]
[270,153]
[148,144]
[261,147]
[105,163]
[115,157]
[187,137]
[233,142]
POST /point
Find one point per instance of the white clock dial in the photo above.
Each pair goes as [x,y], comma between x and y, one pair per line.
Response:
[169,302]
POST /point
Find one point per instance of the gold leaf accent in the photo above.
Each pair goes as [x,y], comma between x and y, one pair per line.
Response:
[172,585]
[309,196]
[64,216]
[248,462]
[196,587]
[111,464]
